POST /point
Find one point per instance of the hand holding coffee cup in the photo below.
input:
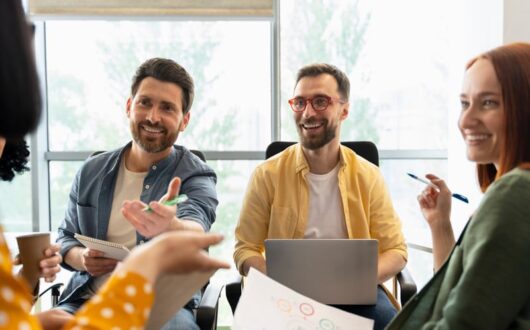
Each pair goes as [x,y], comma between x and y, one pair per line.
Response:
[38,257]
[50,264]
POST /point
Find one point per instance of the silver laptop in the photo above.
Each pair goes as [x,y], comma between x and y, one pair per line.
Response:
[331,271]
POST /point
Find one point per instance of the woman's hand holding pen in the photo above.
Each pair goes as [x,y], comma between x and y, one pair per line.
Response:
[435,202]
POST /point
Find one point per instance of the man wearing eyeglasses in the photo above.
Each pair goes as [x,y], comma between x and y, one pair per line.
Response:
[318,188]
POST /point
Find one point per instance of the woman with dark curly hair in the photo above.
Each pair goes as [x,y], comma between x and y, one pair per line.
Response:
[14,159]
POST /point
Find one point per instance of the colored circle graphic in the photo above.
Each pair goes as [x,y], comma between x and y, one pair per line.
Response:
[326,324]
[306,309]
[284,305]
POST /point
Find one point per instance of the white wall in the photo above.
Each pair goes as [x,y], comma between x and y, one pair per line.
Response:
[472,35]
[516,21]
[499,22]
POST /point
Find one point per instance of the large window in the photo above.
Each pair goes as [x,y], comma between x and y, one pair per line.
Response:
[398,71]
[15,204]
[90,65]
[404,60]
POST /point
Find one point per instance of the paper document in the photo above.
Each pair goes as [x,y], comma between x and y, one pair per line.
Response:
[172,292]
[267,304]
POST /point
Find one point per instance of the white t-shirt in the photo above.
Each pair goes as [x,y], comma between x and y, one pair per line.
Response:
[128,187]
[325,214]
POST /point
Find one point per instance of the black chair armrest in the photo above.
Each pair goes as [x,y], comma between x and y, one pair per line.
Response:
[233,291]
[56,292]
[407,286]
[207,310]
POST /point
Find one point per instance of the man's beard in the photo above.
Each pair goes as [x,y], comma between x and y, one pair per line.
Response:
[153,145]
[316,142]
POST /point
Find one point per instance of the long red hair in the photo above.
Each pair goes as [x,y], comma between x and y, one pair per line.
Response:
[512,67]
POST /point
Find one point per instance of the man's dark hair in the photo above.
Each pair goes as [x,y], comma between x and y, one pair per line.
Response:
[21,101]
[14,159]
[168,71]
[317,69]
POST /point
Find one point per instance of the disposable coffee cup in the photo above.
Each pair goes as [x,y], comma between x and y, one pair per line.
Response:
[31,251]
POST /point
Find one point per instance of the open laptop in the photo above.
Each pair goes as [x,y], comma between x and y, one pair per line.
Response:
[331,271]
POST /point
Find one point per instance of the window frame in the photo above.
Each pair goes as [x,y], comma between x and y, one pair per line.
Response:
[41,156]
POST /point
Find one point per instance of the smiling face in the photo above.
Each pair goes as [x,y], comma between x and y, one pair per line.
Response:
[317,128]
[155,115]
[482,121]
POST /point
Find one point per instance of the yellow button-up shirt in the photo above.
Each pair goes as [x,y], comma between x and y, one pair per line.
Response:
[277,198]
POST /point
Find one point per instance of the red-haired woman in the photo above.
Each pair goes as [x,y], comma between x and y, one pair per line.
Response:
[483,281]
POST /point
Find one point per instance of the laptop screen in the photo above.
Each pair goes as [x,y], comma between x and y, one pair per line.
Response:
[331,271]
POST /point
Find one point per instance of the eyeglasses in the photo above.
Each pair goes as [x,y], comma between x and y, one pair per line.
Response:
[319,102]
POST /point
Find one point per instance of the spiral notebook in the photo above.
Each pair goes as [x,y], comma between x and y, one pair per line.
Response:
[111,250]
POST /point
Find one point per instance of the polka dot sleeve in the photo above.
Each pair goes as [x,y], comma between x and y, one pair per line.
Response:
[15,300]
[124,302]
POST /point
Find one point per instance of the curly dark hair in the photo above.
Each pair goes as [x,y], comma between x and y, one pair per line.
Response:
[14,159]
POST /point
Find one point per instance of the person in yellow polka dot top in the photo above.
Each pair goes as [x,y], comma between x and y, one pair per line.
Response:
[124,301]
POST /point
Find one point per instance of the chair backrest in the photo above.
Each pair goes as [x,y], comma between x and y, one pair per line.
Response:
[365,149]
[199,154]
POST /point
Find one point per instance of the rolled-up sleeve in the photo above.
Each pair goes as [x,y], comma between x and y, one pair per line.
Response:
[202,199]
[385,225]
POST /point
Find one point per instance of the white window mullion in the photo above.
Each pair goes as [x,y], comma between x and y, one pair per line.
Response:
[40,189]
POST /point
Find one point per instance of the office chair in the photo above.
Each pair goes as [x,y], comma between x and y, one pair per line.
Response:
[199,154]
[207,311]
[55,292]
[368,151]
[365,149]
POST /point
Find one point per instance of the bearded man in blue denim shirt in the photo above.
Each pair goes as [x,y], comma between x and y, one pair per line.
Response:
[111,190]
